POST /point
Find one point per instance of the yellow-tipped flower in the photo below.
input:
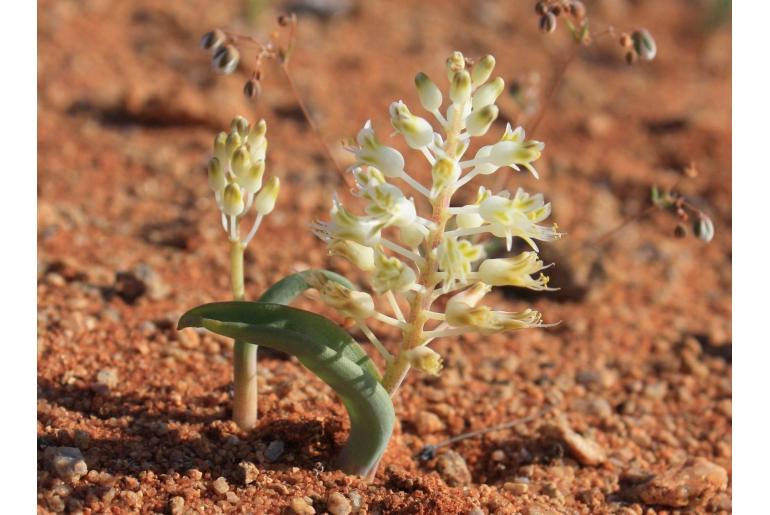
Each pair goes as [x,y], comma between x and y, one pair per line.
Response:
[460,90]
[241,161]
[232,202]
[454,64]
[251,179]
[353,304]
[480,120]
[371,152]
[359,255]
[217,179]
[417,132]
[488,93]
[515,271]
[430,95]
[264,203]
[426,360]
[482,70]
[391,274]
[445,173]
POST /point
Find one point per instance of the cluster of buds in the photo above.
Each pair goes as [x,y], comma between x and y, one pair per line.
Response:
[638,45]
[414,259]
[685,211]
[549,10]
[236,172]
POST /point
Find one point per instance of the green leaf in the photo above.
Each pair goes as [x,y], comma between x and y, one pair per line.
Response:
[324,348]
[285,290]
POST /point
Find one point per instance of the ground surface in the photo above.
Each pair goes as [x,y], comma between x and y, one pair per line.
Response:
[640,366]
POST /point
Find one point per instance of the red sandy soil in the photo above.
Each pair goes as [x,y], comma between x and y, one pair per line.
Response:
[129,238]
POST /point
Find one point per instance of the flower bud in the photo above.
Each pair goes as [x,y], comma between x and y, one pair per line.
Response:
[257,140]
[241,161]
[264,203]
[212,40]
[468,220]
[234,141]
[488,93]
[411,236]
[479,121]
[232,204]
[217,180]
[482,70]
[454,64]
[515,271]
[225,59]
[240,125]
[252,88]
[251,179]
[417,132]
[445,174]
[703,228]
[425,359]
[460,89]
[644,44]
[359,255]
[220,148]
[430,95]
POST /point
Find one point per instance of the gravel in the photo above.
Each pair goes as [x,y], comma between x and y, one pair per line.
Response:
[453,469]
[66,462]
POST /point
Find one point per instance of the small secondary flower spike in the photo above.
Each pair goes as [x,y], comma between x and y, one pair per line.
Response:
[416,258]
[236,175]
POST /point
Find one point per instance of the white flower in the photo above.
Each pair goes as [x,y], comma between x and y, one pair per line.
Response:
[359,255]
[430,95]
[264,203]
[354,304]
[512,150]
[479,121]
[388,203]
[371,152]
[445,173]
[488,93]
[346,226]
[390,274]
[455,258]
[417,132]
[462,311]
[515,271]
[425,359]
[518,217]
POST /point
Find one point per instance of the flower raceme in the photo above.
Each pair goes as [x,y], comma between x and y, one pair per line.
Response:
[413,260]
[236,172]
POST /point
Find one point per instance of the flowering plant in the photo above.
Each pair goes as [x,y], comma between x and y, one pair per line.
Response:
[413,260]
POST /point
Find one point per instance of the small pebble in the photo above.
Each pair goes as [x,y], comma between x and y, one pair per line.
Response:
[301,507]
[176,505]
[498,455]
[586,451]
[249,472]
[274,450]
[220,486]
[694,483]
[428,422]
[453,469]
[107,377]
[338,504]
[67,462]
[516,488]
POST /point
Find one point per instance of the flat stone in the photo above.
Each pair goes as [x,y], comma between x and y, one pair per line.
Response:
[249,472]
[338,504]
[586,451]
[220,486]
[694,483]
[428,422]
[453,469]
[66,462]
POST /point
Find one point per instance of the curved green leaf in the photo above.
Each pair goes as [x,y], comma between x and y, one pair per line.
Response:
[285,290]
[328,351]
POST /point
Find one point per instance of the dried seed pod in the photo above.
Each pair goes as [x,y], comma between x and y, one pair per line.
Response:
[644,44]
[548,22]
[625,40]
[226,59]
[541,8]
[577,9]
[680,231]
[556,10]
[212,40]
[252,88]
[703,228]
[284,20]
[631,57]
